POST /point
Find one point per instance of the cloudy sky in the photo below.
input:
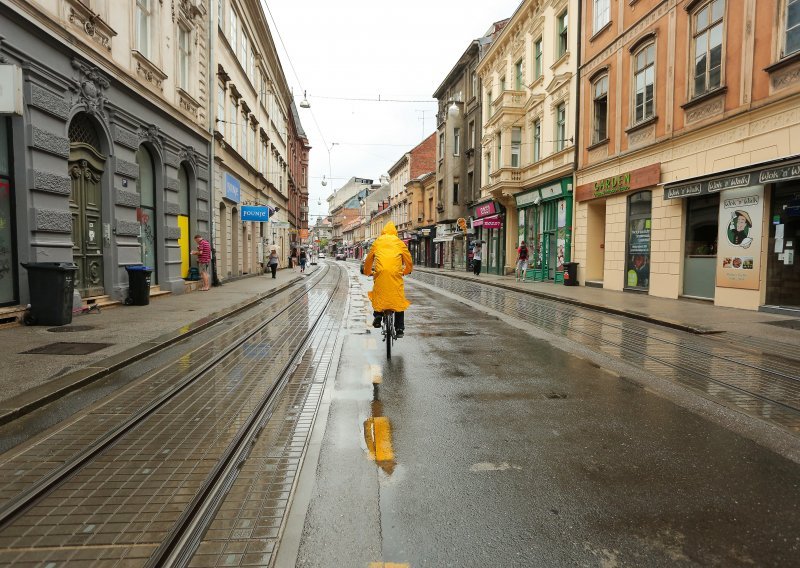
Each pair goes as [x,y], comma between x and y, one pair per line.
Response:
[363,49]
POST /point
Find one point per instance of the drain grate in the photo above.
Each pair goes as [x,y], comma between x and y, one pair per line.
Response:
[68,328]
[791,324]
[67,348]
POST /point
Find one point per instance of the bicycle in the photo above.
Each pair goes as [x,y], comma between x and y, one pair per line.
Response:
[388,331]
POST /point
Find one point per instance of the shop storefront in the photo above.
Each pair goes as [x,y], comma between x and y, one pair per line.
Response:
[489,231]
[8,250]
[545,224]
[747,223]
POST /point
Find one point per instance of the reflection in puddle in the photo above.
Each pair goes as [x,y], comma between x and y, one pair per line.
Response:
[378,436]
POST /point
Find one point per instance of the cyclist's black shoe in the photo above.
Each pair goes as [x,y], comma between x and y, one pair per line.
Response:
[399,332]
[376,322]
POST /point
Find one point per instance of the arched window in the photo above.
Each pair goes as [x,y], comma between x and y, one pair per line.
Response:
[644,78]
[637,266]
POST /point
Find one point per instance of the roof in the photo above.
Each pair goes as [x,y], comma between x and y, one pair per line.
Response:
[470,54]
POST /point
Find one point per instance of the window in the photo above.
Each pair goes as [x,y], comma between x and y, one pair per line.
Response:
[441,145]
[455,192]
[707,23]
[602,13]
[561,126]
[184,56]
[234,117]
[502,84]
[500,149]
[243,147]
[637,269]
[537,140]
[516,146]
[470,184]
[474,85]
[456,141]
[263,92]
[264,157]
[472,134]
[221,109]
[600,109]
[232,36]
[644,83]
[221,14]
[562,34]
[143,14]
[243,52]
[251,67]
[488,165]
[518,75]
[488,104]
[440,193]
[537,59]
[792,27]
[252,145]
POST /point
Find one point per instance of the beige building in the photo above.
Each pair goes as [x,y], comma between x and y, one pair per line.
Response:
[689,166]
[529,81]
[251,106]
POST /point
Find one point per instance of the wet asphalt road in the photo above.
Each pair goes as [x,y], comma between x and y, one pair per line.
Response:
[483,446]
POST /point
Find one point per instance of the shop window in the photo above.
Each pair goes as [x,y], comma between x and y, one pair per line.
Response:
[146,214]
[8,262]
[644,83]
[792,41]
[707,36]
[516,146]
[637,266]
[600,109]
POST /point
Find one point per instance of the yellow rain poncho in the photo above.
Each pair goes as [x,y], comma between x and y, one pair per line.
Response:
[388,261]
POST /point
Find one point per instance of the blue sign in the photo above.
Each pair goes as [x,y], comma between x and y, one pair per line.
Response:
[232,188]
[255,213]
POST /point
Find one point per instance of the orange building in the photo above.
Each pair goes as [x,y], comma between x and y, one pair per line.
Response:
[689,163]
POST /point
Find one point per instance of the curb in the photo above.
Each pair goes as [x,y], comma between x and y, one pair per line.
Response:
[26,402]
[581,304]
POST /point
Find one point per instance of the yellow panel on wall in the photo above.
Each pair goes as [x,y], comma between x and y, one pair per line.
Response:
[183,225]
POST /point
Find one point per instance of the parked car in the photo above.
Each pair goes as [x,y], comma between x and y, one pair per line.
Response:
[321,255]
[340,256]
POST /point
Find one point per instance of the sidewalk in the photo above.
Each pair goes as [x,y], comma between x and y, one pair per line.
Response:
[687,315]
[29,380]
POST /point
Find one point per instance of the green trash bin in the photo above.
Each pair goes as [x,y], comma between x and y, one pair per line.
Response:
[50,285]
[138,285]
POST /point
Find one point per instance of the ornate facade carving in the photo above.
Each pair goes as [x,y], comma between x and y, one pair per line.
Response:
[48,101]
[172,233]
[785,77]
[52,220]
[149,72]
[152,135]
[128,228]
[128,198]
[80,16]
[127,169]
[48,142]
[599,153]
[51,183]
[89,89]
[125,137]
[642,136]
[705,110]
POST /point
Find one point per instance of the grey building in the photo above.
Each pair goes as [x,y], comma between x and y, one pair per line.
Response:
[107,165]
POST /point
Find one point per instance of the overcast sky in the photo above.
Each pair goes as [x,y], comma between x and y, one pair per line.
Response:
[360,49]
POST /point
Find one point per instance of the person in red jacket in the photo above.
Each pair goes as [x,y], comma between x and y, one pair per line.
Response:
[203,253]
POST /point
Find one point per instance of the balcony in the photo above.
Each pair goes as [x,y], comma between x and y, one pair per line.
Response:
[510,103]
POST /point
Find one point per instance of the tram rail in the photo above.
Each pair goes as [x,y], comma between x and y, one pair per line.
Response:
[244,355]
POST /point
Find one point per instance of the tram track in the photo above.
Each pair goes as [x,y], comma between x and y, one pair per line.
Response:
[768,387]
[299,314]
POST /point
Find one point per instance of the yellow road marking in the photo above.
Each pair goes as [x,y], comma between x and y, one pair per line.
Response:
[377,376]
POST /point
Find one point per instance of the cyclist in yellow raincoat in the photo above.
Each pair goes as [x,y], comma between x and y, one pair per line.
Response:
[388,261]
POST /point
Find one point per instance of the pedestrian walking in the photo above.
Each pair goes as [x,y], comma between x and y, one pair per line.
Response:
[273,262]
[303,259]
[522,262]
[476,259]
[293,259]
[203,253]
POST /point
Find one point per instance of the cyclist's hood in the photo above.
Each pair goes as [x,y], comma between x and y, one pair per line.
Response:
[389,229]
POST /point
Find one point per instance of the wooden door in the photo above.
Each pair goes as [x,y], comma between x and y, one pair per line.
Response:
[86,172]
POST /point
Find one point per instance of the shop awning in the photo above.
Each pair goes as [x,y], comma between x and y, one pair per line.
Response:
[444,238]
[493,222]
[771,171]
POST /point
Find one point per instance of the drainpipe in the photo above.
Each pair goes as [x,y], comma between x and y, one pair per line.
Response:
[577,132]
[212,91]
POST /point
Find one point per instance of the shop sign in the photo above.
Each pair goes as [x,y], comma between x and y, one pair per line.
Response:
[779,174]
[485,209]
[711,186]
[624,182]
[232,188]
[492,223]
[10,90]
[255,213]
[280,224]
[537,195]
[739,239]
[425,232]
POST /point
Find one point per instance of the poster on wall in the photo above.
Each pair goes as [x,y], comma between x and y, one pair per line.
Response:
[637,270]
[562,213]
[740,223]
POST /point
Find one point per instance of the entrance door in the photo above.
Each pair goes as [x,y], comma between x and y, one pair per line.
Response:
[783,268]
[700,262]
[86,172]
[637,266]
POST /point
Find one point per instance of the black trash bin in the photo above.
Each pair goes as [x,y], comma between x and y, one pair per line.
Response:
[570,274]
[138,285]
[51,285]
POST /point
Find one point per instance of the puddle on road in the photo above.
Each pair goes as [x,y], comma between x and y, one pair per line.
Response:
[447,333]
[378,435]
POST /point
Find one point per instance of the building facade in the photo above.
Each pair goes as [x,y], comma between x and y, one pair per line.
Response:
[529,82]
[688,178]
[105,162]
[253,143]
[419,160]
[421,193]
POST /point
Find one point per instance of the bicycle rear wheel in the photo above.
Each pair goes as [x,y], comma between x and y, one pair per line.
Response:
[388,323]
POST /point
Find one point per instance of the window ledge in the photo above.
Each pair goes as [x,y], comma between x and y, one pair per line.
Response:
[560,60]
[602,142]
[704,97]
[644,123]
[536,82]
[599,32]
[784,62]
[148,70]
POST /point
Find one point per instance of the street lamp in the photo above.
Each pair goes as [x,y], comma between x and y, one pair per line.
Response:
[304,103]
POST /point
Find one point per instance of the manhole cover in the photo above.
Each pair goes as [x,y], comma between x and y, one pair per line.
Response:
[67,348]
[791,324]
[68,328]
